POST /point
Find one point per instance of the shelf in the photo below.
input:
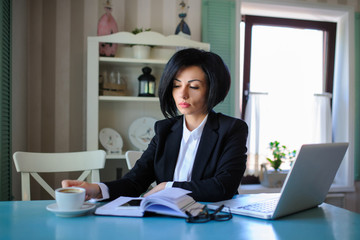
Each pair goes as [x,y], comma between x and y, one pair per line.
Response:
[128,99]
[256,188]
[115,156]
[133,60]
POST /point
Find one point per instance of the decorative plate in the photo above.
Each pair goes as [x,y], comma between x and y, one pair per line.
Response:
[111,140]
[141,132]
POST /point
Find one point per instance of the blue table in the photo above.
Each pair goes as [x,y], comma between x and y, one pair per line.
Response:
[31,220]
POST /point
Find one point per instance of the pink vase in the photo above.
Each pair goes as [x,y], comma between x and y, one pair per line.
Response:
[107,25]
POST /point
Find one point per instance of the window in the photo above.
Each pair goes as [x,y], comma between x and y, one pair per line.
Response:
[343,101]
[287,85]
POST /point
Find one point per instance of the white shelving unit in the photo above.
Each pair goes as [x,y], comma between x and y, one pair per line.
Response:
[118,112]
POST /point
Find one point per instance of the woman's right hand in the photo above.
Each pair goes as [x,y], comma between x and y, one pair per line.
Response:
[92,190]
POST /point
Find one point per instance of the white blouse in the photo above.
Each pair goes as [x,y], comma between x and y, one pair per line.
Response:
[188,148]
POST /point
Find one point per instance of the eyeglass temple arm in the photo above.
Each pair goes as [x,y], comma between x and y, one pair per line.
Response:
[219,209]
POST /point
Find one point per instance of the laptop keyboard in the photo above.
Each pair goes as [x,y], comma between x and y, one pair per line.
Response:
[267,206]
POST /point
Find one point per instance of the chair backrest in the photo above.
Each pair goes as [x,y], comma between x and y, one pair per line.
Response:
[30,163]
[131,158]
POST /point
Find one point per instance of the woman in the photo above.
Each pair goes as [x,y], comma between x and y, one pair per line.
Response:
[199,150]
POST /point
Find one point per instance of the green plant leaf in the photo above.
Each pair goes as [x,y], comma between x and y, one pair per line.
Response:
[279,153]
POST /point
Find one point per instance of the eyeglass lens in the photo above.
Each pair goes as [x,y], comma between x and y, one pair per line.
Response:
[205,216]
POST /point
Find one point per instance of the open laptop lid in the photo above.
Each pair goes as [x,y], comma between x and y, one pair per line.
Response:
[310,178]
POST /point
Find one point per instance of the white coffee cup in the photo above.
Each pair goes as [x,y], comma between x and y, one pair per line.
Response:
[70,198]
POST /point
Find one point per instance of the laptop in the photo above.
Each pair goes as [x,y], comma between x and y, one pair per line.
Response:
[306,185]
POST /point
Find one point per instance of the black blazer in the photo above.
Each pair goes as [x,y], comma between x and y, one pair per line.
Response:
[219,164]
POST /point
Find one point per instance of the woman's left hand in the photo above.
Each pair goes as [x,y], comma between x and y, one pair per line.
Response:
[157,188]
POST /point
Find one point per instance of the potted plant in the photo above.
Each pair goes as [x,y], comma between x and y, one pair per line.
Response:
[141,51]
[276,177]
[280,153]
[139,30]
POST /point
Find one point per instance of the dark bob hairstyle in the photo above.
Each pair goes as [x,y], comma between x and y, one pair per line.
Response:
[216,72]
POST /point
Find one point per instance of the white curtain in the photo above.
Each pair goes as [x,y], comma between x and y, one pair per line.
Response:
[322,132]
[291,120]
[254,117]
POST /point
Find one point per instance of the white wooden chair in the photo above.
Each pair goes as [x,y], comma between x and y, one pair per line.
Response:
[30,163]
[131,158]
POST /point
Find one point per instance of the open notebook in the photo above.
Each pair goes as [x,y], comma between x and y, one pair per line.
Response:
[306,185]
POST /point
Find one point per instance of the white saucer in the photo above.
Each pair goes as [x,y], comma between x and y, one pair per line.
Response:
[86,207]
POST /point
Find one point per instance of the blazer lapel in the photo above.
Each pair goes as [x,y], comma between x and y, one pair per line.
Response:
[207,143]
[172,148]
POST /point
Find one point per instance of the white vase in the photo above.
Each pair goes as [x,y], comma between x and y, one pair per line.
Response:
[141,51]
[272,178]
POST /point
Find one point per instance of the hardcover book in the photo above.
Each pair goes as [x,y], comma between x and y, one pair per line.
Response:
[170,201]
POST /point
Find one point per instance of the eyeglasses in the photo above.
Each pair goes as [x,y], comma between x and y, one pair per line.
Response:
[205,215]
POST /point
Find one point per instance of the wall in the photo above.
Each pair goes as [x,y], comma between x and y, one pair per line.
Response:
[49,65]
[159,15]
[19,93]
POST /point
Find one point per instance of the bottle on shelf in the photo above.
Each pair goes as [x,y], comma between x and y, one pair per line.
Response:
[113,84]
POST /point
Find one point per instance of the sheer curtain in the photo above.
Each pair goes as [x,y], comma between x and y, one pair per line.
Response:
[292,119]
[322,132]
[255,117]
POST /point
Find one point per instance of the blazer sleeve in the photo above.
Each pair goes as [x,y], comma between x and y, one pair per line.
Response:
[139,178]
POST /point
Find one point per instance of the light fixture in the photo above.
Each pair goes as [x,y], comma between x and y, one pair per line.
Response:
[146,83]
